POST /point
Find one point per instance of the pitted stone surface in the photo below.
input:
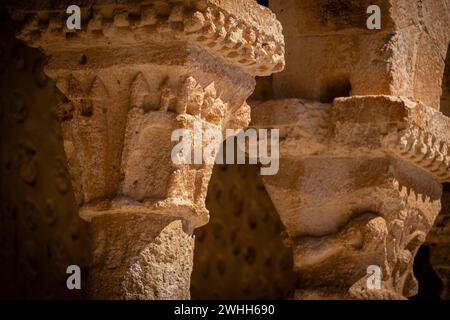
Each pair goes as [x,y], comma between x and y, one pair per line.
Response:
[364,149]
[139,71]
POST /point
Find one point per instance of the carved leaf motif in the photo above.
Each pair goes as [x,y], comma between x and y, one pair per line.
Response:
[75,90]
[86,137]
[139,91]
[191,97]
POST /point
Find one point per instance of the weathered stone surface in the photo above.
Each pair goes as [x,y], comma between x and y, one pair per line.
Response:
[332,53]
[136,72]
[361,165]
[140,257]
[116,93]
[345,165]
[240,32]
[361,187]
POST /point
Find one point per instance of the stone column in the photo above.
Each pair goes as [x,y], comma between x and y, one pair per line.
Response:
[135,72]
[361,166]
[359,185]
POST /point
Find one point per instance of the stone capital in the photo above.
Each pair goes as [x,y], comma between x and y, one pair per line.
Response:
[134,73]
[359,185]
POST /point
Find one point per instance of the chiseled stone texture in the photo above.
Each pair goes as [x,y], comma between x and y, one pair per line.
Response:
[140,257]
[254,246]
[359,185]
[359,181]
[331,52]
[139,71]
[199,65]
[333,147]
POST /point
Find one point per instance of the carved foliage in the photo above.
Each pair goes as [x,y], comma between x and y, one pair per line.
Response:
[85,138]
[148,173]
[424,149]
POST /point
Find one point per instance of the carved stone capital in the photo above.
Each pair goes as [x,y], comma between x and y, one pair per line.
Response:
[359,185]
[134,73]
[118,144]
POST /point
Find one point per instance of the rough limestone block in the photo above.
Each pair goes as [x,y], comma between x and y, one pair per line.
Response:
[331,52]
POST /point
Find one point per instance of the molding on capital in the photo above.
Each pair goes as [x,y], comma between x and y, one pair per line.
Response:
[409,130]
[256,46]
[361,126]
